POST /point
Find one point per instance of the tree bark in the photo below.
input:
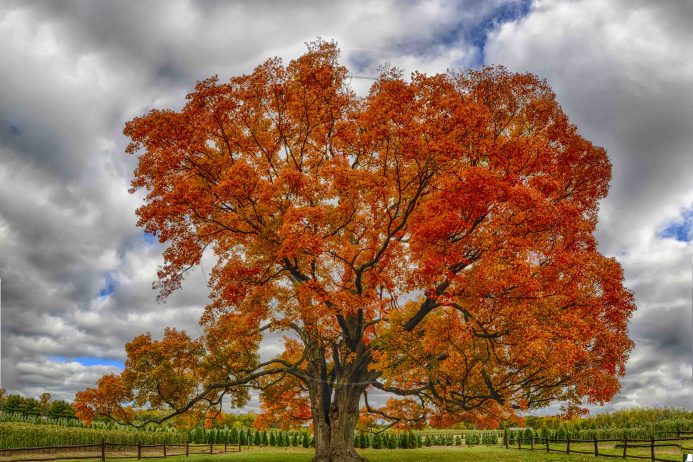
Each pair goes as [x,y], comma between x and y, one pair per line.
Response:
[334,431]
[335,409]
[344,415]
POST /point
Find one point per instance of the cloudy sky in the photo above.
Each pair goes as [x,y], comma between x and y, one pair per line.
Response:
[76,271]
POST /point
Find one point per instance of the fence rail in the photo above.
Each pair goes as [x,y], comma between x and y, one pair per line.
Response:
[645,449]
[111,451]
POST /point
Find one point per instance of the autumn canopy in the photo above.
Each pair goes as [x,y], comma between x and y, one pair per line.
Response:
[432,240]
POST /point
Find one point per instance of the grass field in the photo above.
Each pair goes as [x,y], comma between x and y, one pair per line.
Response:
[443,454]
[437,454]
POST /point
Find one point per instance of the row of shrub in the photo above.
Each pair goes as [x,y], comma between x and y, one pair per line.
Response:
[21,435]
[625,418]
[76,423]
[646,430]
[248,437]
[381,440]
[388,440]
[412,440]
[24,435]
[39,420]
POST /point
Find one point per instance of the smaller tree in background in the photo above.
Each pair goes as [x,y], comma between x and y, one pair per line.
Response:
[13,404]
[31,407]
[60,410]
[44,402]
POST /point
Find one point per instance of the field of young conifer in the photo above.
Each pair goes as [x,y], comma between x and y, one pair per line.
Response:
[24,435]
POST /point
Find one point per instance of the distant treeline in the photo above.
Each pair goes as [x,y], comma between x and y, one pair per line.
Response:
[43,407]
[17,408]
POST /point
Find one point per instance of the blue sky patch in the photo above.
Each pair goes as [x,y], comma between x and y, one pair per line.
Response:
[89,361]
[472,31]
[476,33]
[149,238]
[506,12]
[681,229]
[109,286]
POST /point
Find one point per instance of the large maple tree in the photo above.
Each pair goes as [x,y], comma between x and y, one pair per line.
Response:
[432,240]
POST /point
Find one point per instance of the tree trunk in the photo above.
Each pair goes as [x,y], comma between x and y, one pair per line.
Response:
[322,435]
[335,412]
[334,435]
[344,415]
[335,396]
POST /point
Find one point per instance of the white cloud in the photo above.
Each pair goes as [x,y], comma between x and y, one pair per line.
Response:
[59,377]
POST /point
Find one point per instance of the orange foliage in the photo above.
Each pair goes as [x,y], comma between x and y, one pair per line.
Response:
[402,414]
[104,400]
[212,418]
[433,239]
[285,403]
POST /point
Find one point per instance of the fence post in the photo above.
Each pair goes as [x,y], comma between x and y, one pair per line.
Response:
[625,446]
[567,447]
[546,438]
[652,448]
[596,447]
[103,450]
[139,450]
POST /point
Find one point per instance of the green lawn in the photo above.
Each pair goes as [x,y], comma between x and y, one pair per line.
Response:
[442,454]
[434,454]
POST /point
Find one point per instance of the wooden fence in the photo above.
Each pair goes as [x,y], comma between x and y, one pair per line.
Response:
[106,450]
[653,449]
